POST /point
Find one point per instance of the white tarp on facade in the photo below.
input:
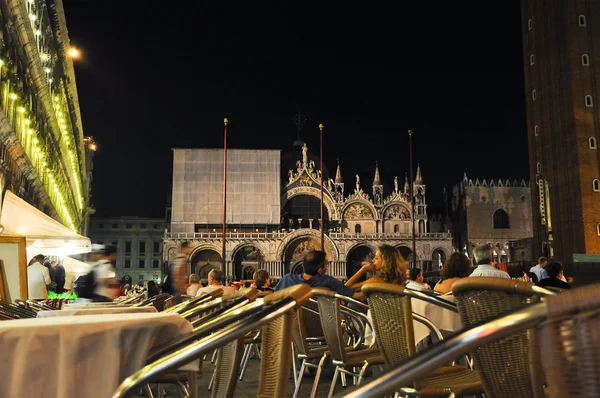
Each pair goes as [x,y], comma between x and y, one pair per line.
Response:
[44,234]
[253,187]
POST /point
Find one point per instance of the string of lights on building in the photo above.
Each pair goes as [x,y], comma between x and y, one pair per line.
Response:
[63,184]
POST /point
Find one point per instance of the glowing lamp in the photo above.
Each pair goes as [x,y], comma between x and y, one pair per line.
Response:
[13,96]
[27,122]
[73,53]
[44,57]
[21,109]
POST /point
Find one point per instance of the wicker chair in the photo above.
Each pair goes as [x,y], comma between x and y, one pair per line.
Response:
[510,367]
[567,325]
[342,355]
[571,355]
[304,351]
[275,315]
[393,322]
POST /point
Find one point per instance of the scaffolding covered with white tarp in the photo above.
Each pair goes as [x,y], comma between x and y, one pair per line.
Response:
[253,187]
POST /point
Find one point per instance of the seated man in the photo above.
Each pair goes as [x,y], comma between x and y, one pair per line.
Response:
[215,281]
[484,256]
[314,264]
[415,281]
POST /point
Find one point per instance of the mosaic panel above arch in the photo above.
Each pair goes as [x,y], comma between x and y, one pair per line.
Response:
[358,211]
[396,212]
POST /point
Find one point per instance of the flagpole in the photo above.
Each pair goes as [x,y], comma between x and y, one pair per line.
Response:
[321,224]
[224,263]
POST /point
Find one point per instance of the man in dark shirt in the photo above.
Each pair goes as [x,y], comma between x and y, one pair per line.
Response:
[59,276]
[555,272]
[314,264]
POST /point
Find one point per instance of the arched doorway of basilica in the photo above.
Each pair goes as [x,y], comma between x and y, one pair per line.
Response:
[297,249]
[406,253]
[304,211]
[205,261]
[439,258]
[246,260]
[356,257]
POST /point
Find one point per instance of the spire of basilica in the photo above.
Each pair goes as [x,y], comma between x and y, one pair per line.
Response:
[406,186]
[338,174]
[419,180]
[376,180]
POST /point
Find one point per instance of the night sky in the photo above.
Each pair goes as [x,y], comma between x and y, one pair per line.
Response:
[155,76]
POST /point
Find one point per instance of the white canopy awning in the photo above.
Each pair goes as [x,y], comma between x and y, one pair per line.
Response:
[44,234]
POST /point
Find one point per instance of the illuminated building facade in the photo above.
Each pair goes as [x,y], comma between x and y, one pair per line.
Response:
[139,245]
[496,212]
[273,214]
[562,70]
[44,157]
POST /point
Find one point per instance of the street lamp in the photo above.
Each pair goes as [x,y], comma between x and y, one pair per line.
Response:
[412,199]
[74,53]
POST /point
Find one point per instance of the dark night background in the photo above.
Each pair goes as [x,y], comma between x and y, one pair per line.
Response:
[157,75]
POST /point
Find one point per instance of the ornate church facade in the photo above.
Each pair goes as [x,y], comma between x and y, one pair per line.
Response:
[355,223]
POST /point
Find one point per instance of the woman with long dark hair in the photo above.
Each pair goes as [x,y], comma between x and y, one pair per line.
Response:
[456,267]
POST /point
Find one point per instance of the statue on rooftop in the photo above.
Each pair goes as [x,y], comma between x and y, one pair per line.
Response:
[357,182]
[304,154]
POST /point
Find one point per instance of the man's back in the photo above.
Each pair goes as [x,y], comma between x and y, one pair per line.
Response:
[37,279]
[323,280]
[540,272]
[227,290]
[487,270]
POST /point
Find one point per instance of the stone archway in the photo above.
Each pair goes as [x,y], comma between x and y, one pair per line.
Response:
[244,257]
[203,261]
[297,244]
[357,256]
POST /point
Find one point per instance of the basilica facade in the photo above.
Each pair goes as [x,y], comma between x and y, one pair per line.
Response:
[273,219]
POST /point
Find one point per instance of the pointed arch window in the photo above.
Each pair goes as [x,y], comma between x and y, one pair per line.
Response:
[501,219]
[357,229]
[598,229]
[593,143]
[396,228]
[589,102]
[536,130]
[530,24]
[538,167]
[531,59]
[596,185]
[582,21]
[585,60]
[534,94]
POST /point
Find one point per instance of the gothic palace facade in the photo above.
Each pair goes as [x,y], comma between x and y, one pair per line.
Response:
[273,219]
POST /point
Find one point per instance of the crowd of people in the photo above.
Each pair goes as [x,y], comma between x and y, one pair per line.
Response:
[43,276]
[387,265]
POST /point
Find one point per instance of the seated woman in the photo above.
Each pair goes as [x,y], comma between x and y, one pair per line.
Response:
[387,265]
[457,266]
[555,277]
[194,285]
[151,289]
[262,282]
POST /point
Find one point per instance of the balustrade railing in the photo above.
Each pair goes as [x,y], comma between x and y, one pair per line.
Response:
[281,235]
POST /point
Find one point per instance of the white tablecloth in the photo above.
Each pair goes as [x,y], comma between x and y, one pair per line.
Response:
[95,311]
[88,305]
[442,318]
[80,356]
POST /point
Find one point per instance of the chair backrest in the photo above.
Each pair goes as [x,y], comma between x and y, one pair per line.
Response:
[276,314]
[227,369]
[276,355]
[391,313]
[571,354]
[307,323]
[331,322]
[511,366]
